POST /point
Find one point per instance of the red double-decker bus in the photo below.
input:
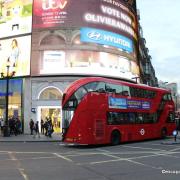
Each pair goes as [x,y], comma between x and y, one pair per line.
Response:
[108,111]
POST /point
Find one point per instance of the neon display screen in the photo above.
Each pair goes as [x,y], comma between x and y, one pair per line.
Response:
[110,15]
[17,51]
[15,17]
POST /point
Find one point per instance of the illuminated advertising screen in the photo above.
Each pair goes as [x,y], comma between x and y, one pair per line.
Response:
[109,15]
[17,51]
[15,17]
[84,62]
[111,24]
[106,38]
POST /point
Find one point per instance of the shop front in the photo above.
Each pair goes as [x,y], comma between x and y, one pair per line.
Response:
[15,106]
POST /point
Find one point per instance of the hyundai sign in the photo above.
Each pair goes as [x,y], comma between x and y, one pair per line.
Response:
[106,38]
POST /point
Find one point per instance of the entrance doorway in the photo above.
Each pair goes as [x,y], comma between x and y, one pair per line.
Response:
[53,113]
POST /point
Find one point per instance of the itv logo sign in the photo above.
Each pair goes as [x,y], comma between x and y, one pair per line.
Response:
[106,38]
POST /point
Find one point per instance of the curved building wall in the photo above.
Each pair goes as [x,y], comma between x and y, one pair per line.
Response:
[96,37]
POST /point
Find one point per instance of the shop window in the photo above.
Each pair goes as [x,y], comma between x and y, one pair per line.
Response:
[50,94]
[14,97]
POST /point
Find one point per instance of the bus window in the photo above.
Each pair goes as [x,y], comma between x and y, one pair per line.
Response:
[171,117]
[109,88]
[79,94]
[140,118]
[150,118]
[167,97]
[132,118]
[117,118]
[67,115]
[141,93]
[95,86]
[126,91]
[114,88]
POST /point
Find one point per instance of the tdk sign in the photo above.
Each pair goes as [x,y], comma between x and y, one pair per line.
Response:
[106,38]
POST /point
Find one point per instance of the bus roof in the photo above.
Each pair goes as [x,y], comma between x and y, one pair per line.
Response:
[80,82]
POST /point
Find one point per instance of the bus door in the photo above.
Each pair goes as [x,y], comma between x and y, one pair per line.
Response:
[99,130]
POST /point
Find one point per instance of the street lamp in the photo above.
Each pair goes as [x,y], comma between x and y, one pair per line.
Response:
[7,77]
[136,78]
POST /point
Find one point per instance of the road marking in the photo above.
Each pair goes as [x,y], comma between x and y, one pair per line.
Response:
[162,145]
[168,155]
[130,159]
[18,164]
[63,157]
[146,165]
[108,153]
[175,149]
[22,171]
[136,147]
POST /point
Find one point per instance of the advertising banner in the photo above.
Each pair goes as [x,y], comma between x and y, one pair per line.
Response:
[106,38]
[17,51]
[53,61]
[15,17]
[109,15]
[110,23]
[119,103]
[122,103]
[15,86]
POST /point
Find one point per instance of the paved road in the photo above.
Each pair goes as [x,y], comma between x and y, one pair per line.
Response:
[158,159]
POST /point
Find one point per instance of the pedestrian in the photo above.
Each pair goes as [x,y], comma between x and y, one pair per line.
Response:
[36,128]
[42,126]
[31,125]
[50,128]
[1,124]
[18,126]
[46,127]
[175,133]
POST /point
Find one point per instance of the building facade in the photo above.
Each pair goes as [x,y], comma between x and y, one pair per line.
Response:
[53,43]
[147,72]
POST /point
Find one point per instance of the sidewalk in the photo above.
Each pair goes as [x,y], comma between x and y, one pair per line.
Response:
[30,138]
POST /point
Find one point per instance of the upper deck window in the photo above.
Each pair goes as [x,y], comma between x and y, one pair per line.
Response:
[78,95]
[167,97]
[142,93]
[95,86]
[103,87]
[118,89]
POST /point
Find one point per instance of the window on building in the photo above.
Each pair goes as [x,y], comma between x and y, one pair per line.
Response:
[52,39]
[50,94]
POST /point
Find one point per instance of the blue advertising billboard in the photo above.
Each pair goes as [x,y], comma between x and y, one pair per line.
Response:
[106,38]
[122,103]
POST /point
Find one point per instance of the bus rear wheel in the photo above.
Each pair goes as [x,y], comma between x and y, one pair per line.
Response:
[115,138]
[163,133]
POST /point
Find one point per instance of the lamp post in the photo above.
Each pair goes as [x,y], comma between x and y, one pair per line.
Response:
[136,78]
[7,77]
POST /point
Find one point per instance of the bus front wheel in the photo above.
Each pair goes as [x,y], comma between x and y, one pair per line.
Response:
[115,138]
[163,133]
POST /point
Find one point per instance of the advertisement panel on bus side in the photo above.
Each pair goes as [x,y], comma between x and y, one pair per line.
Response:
[123,103]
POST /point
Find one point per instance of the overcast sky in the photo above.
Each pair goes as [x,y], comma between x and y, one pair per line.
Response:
[160,20]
